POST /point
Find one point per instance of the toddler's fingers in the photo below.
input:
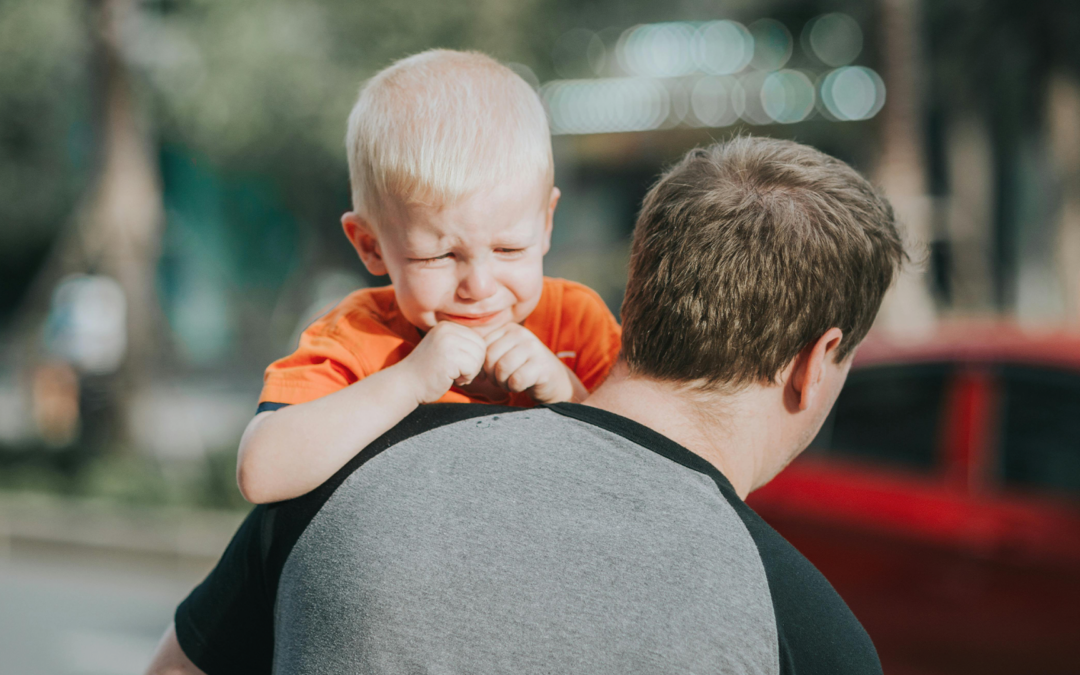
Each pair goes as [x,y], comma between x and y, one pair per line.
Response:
[509,364]
[463,333]
[525,377]
[497,349]
[496,335]
[470,361]
[468,368]
[463,345]
[475,354]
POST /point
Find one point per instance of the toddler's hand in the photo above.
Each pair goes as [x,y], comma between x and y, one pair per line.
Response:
[449,354]
[518,361]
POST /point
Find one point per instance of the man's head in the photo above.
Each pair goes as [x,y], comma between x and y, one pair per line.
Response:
[451,172]
[758,262]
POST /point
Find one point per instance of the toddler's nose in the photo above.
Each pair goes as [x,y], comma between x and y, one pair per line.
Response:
[477,284]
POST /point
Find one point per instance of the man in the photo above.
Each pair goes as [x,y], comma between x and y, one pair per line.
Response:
[609,537]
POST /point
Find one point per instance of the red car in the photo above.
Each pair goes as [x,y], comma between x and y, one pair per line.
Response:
[942,500]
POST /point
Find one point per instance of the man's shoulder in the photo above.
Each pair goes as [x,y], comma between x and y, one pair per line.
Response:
[284,522]
[580,515]
[424,419]
[817,631]
[439,426]
[567,518]
[436,465]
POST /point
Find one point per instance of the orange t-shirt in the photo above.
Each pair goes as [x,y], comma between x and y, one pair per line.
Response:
[366,333]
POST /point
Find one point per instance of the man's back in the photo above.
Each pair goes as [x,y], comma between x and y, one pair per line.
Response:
[560,540]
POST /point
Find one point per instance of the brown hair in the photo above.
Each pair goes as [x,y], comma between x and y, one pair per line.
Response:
[747,251]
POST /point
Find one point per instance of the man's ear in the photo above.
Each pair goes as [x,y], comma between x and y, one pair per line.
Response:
[362,236]
[552,203]
[809,367]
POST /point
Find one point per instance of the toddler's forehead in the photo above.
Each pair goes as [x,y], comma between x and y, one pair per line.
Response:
[505,205]
[522,189]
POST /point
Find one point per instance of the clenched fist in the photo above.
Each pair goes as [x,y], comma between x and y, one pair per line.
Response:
[449,354]
[518,361]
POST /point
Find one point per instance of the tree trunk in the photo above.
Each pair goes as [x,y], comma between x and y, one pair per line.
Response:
[116,228]
[901,169]
[1063,118]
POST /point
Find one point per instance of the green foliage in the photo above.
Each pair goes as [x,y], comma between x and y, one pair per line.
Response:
[44,129]
[243,82]
[252,85]
[256,81]
[42,54]
[124,478]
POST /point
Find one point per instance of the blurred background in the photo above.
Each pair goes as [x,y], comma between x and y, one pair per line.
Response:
[172,175]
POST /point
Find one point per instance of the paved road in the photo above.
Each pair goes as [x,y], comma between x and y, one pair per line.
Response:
[74,611]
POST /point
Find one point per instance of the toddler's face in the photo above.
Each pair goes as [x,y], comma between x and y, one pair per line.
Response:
[476,262]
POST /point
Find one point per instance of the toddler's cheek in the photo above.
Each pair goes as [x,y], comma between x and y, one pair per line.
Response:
[527,300]
[420,298]
[416,313]
[528,283]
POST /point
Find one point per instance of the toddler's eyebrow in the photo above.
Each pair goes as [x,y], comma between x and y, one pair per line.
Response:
[522,233]
[514,241]
[429,243]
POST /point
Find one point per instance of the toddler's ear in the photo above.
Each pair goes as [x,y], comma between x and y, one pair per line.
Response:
[552,203]
[362,236]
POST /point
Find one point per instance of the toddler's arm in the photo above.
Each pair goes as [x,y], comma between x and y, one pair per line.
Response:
[291,451]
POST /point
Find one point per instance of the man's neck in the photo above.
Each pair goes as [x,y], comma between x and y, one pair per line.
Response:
[730,431]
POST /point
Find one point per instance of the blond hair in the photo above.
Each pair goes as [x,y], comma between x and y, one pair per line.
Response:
[439,125]
[747,251]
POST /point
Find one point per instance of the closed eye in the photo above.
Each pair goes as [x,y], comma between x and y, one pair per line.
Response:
[435,258]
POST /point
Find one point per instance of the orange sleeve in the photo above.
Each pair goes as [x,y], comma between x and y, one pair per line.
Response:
[321,365]
[590,327]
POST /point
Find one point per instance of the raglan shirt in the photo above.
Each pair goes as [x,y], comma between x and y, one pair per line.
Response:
[481,539]
[366,333]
